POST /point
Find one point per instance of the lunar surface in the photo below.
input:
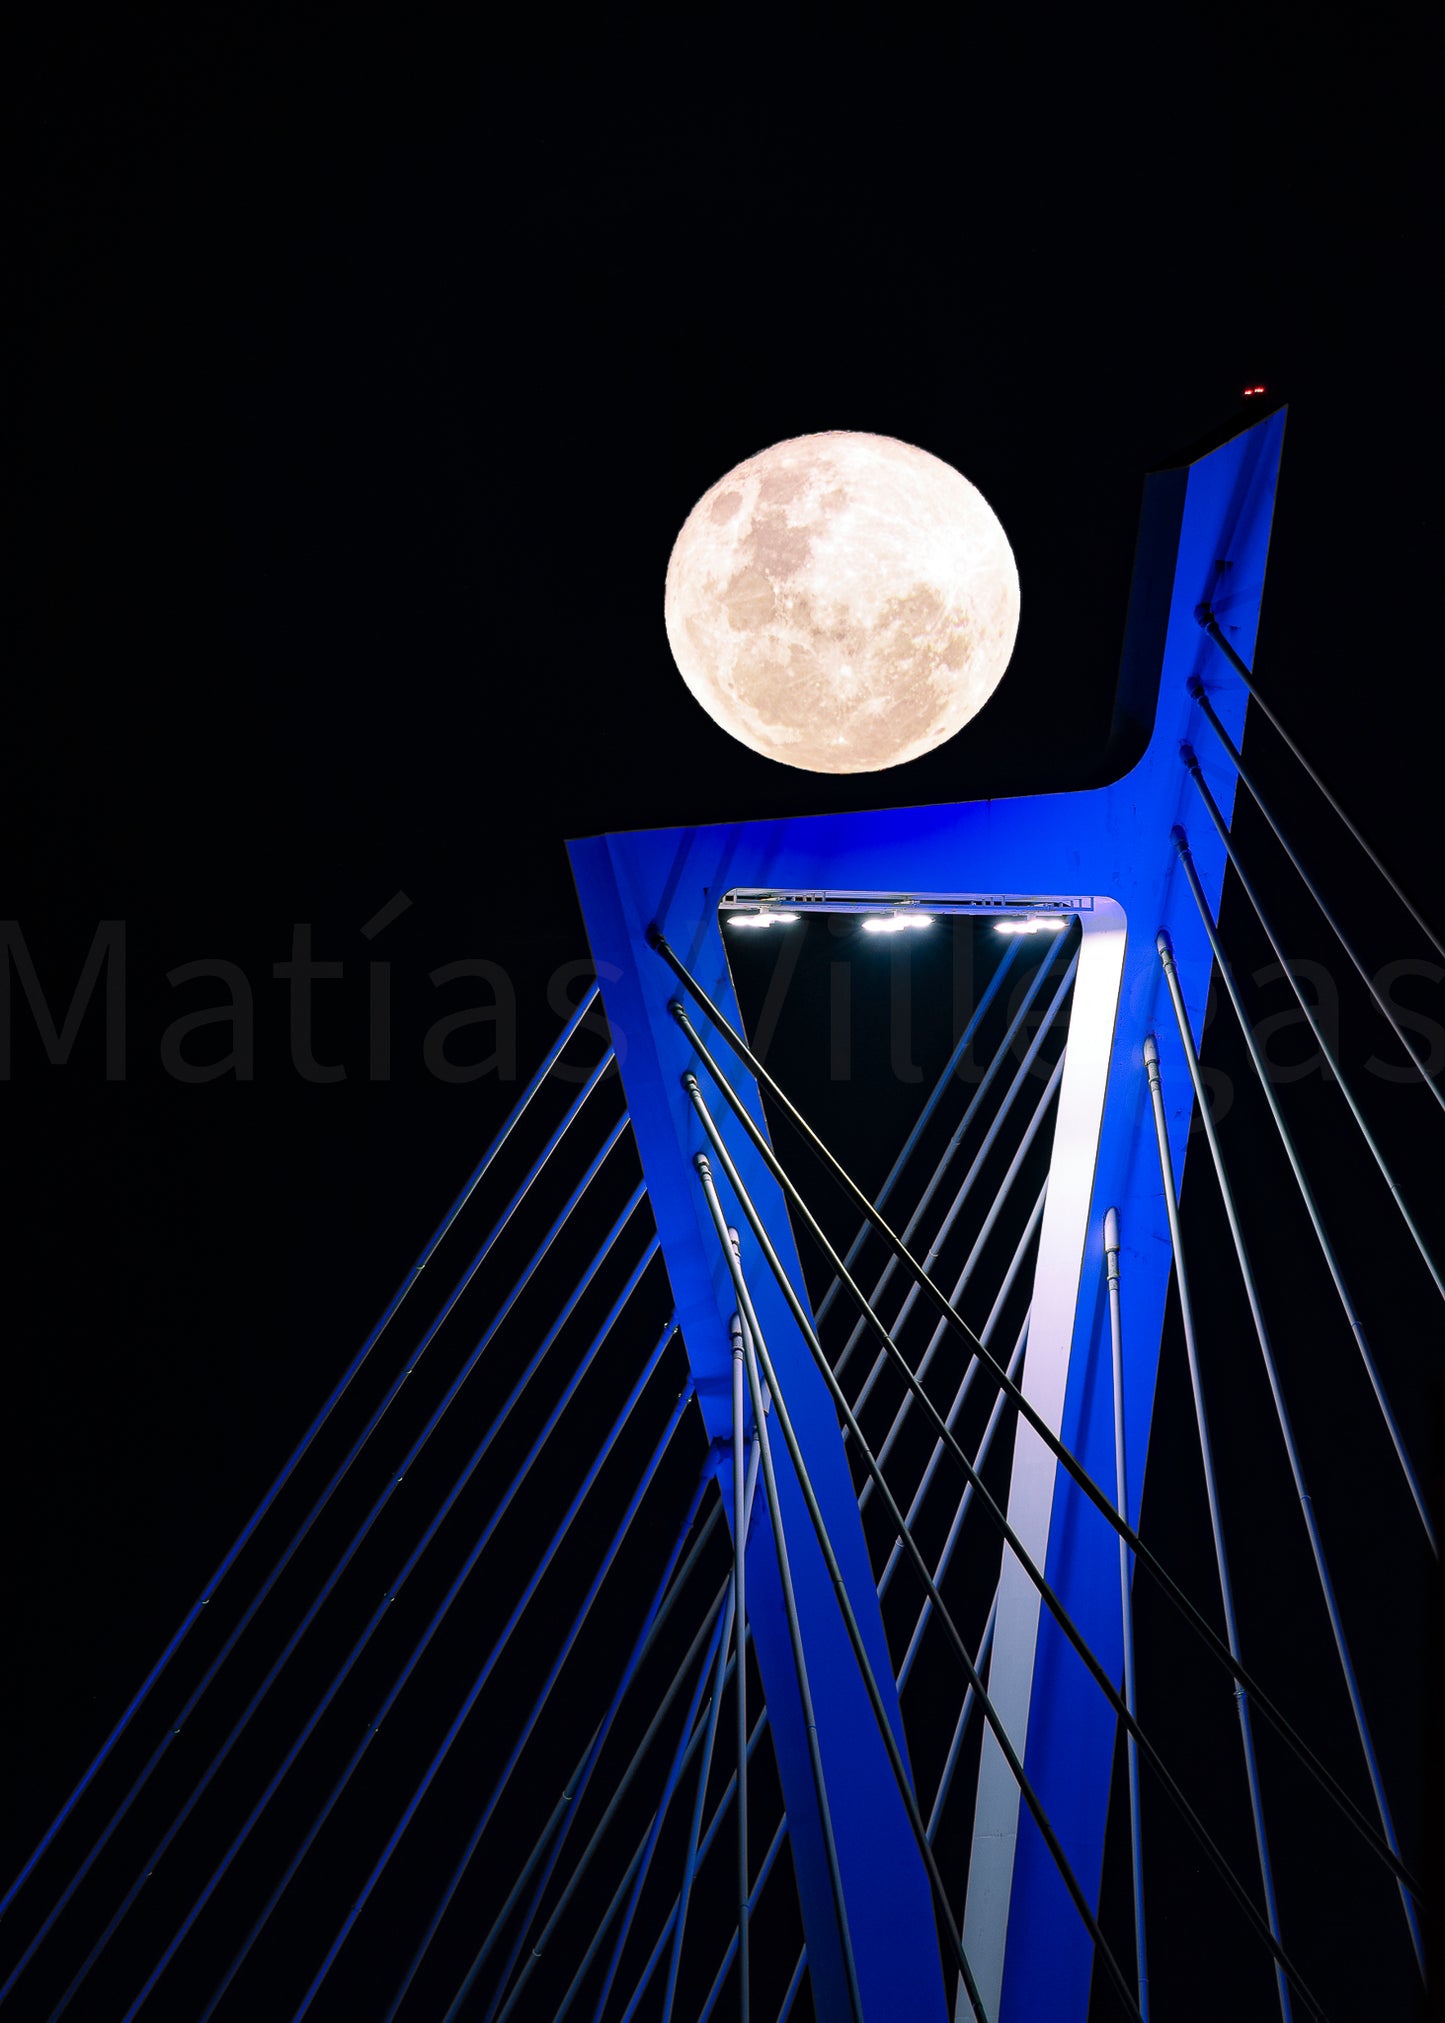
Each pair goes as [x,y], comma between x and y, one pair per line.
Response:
[842,602]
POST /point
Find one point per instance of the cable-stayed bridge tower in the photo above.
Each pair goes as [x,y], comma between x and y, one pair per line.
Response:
[829,1569]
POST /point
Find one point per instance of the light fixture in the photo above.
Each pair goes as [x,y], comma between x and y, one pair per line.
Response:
[895,923]
[762,919]
[1031,923]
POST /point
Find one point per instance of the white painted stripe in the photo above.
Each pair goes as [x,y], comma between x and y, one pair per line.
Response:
[1057,1277]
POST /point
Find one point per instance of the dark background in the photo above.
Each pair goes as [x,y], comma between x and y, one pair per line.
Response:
[360,375]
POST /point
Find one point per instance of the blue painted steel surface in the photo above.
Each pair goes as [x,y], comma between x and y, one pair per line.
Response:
[1204,538]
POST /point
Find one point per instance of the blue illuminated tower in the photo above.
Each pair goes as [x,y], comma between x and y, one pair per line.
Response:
[1067,855]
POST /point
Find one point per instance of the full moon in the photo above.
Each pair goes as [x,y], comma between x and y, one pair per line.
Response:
[842,602]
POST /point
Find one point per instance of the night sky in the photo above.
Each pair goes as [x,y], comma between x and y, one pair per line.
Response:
[360,378]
